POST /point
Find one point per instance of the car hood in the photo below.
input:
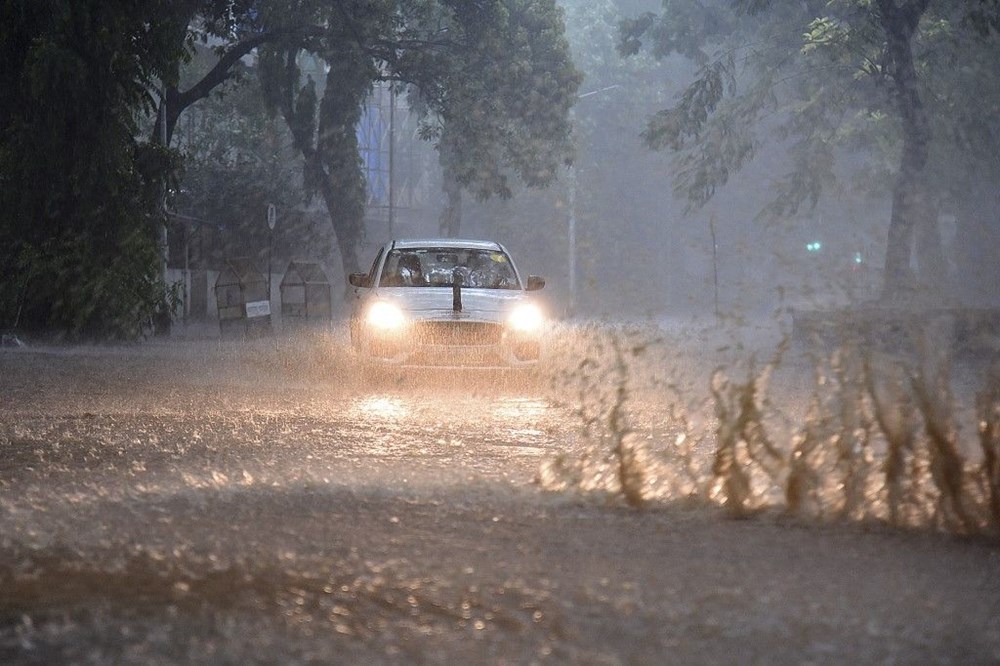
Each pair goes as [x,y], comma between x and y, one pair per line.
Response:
[430,302]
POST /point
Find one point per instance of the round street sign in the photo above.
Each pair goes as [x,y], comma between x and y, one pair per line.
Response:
[272,216]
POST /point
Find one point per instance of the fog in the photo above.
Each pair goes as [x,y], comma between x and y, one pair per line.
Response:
[611,229]
[679,315]
[736,445]
[641,252]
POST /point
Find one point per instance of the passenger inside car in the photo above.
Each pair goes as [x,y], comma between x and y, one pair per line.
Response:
[407,272]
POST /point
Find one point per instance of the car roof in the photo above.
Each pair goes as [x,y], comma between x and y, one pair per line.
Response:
[409,243]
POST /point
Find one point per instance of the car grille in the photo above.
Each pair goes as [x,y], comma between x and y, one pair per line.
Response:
[457,357]
[458,333]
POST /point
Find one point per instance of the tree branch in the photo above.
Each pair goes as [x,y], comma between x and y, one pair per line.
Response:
[178,101]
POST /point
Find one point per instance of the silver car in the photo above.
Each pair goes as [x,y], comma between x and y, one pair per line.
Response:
[446,303]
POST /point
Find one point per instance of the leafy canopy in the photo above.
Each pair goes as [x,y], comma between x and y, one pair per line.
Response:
[78,226]
[816,75]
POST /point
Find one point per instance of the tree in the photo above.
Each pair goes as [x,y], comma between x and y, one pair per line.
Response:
[83,198]
[236,161]
[831,73]
[80,198]
[912,203]
[237,28]
[499,100]
[495,79]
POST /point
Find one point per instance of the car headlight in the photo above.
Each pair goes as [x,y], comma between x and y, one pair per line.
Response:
[385,316]
[525,318]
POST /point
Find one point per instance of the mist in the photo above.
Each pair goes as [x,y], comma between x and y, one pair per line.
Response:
[761,422]
[613,233]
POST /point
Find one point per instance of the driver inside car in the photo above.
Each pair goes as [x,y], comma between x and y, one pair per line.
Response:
[408,272]
[481,273]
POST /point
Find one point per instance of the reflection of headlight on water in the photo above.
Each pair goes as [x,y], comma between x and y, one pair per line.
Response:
[385,316]
[525,318]
[381,407]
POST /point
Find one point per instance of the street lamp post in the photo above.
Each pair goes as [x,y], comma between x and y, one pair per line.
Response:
[571,237]
[571,196]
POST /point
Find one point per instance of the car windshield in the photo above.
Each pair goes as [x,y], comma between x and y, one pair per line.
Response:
[438,267]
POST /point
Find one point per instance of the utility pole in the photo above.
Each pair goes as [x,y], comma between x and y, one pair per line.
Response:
[715,261]
[571,195]
[392,159]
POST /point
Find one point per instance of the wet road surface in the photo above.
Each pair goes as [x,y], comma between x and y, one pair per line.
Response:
[217,502]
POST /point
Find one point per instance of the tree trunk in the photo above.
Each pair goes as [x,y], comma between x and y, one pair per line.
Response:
[329,149]
[912,203]
[347,223]
[451,216]
[343,184]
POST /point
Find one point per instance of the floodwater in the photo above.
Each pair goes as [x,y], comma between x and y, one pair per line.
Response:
[200,501]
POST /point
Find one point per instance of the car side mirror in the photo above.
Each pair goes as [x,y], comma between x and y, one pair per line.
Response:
[535,282]
[359,279]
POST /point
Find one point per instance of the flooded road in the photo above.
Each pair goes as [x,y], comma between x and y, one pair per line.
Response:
[215,502]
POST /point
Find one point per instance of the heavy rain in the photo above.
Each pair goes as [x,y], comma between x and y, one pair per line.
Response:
[760,421]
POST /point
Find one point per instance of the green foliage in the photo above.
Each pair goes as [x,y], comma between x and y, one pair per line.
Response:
[888,82]
[692,26]
[500,94]
[237,160]
[494,79]
[78,194]
[58,283]
[79,74]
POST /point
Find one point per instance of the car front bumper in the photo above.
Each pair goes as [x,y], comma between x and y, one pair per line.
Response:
[452,343]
